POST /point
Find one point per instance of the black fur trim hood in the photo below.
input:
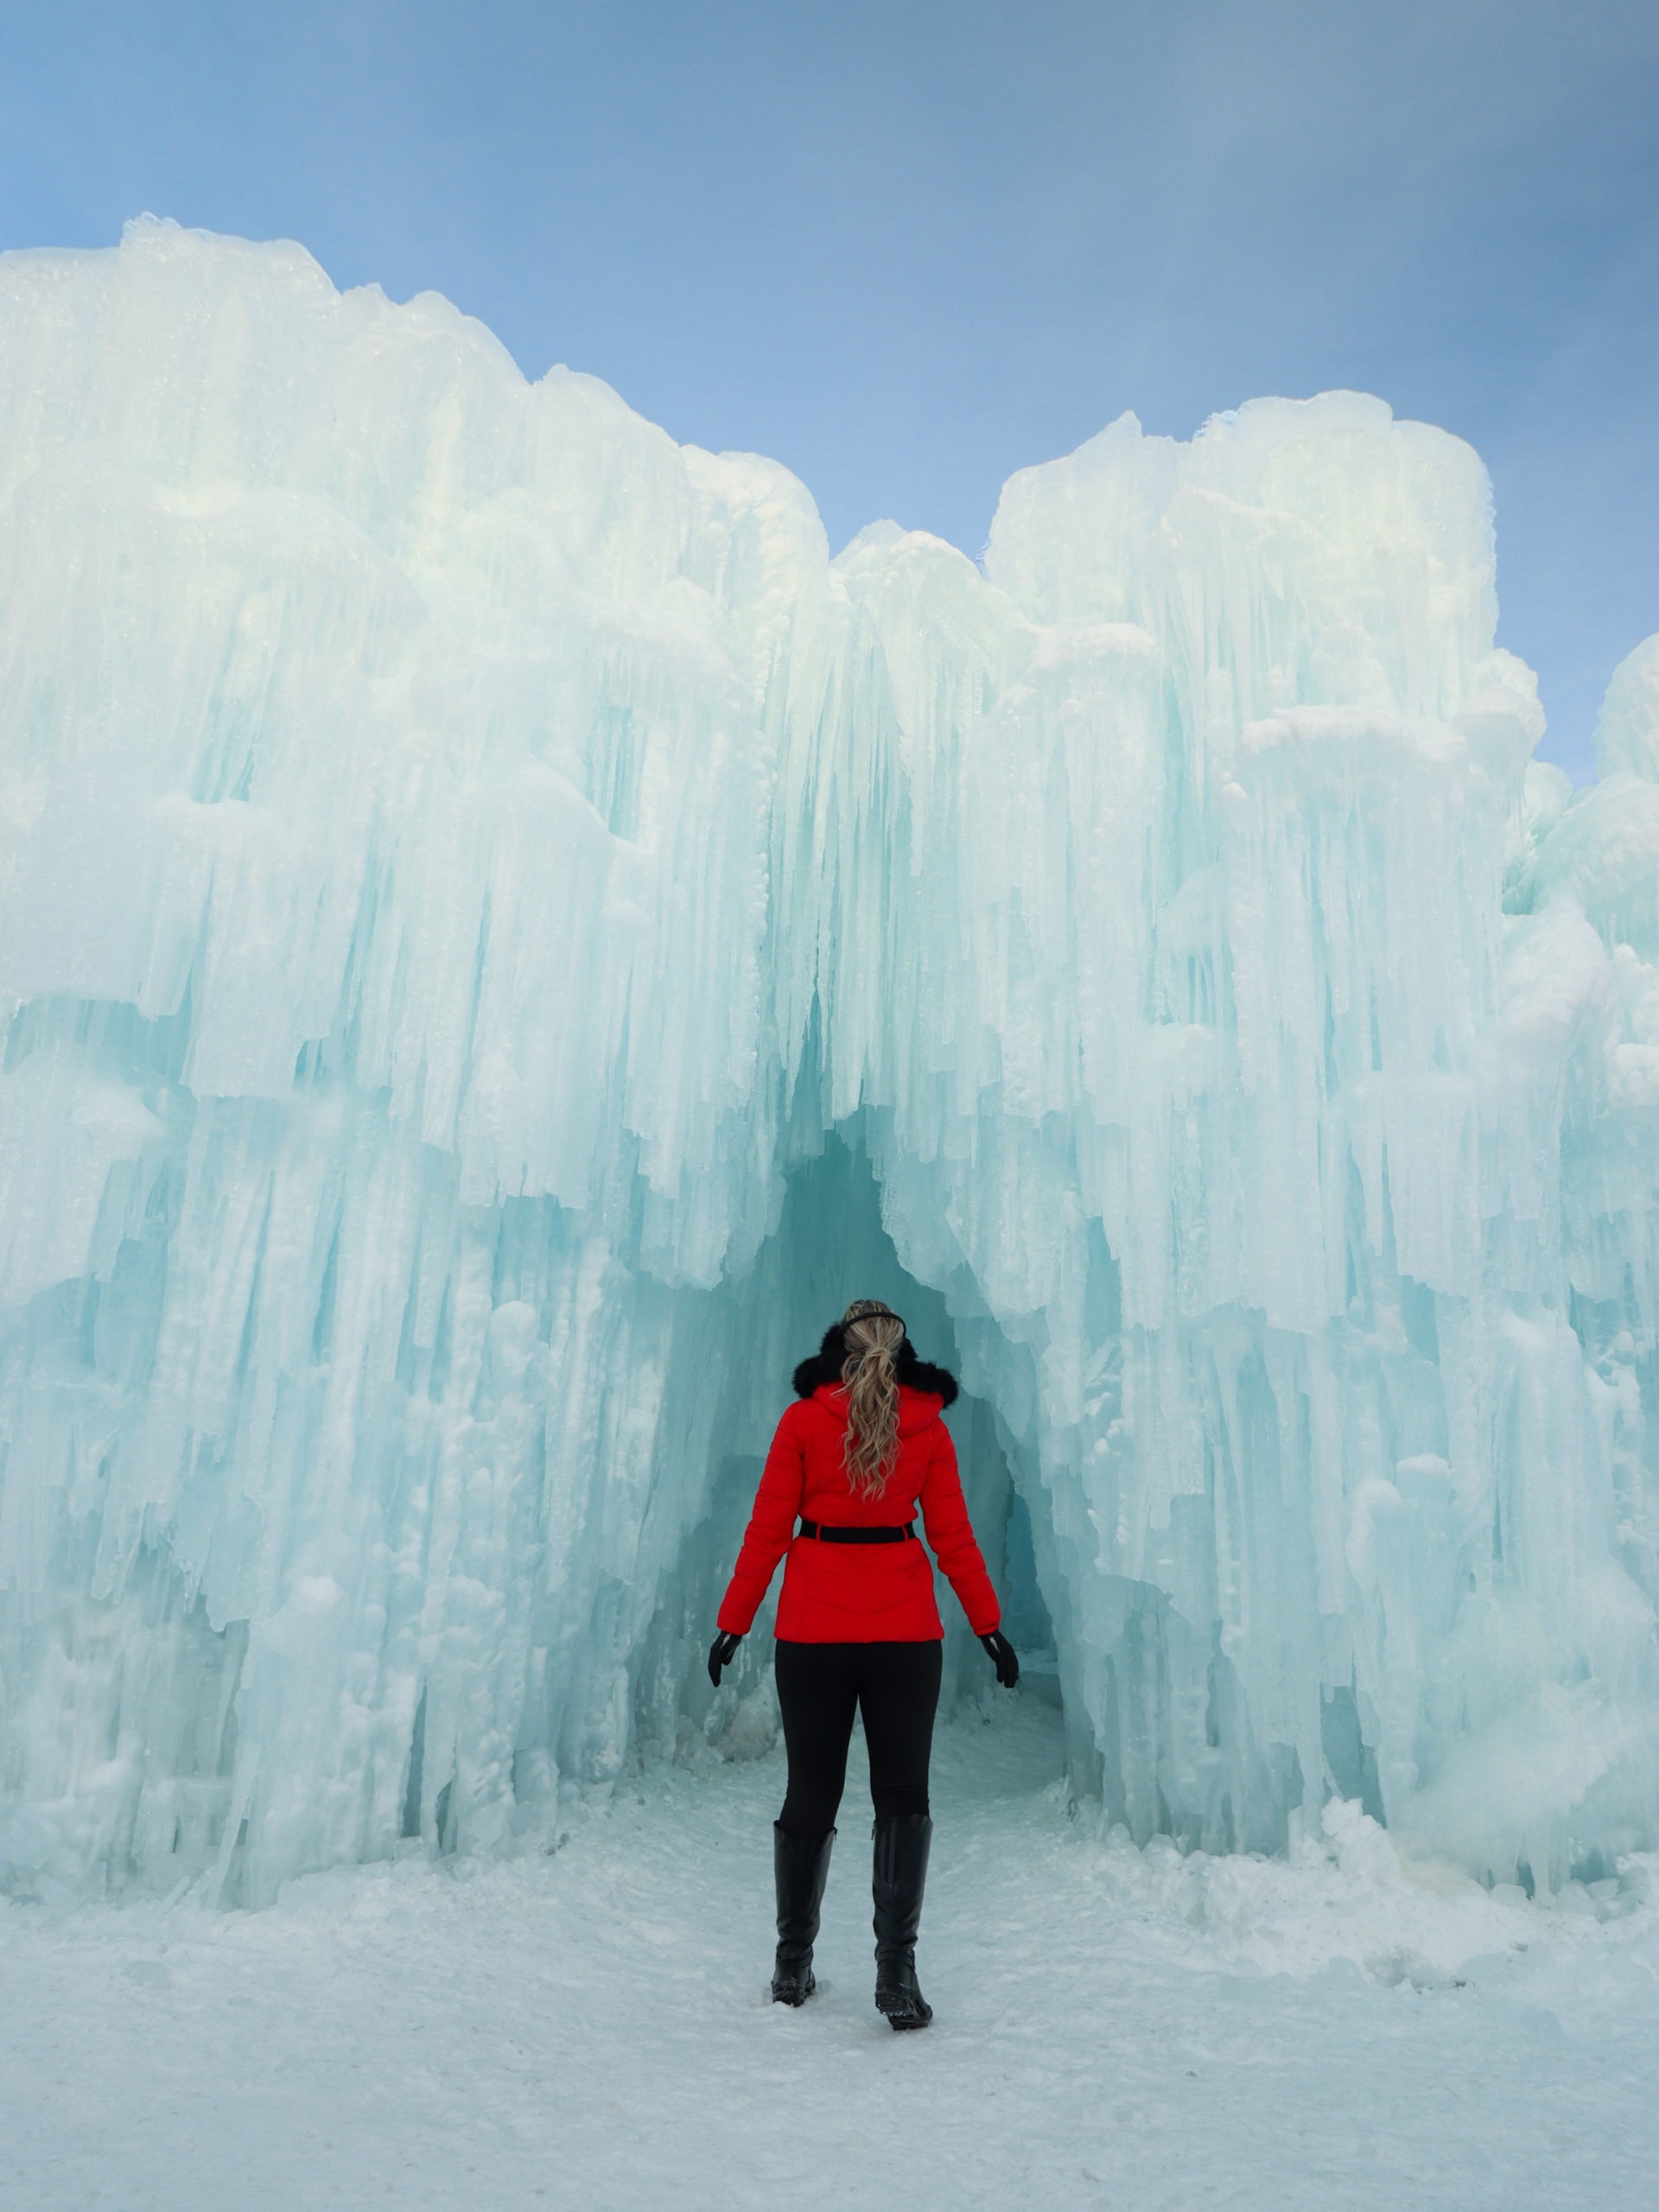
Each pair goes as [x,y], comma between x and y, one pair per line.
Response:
[825,1365]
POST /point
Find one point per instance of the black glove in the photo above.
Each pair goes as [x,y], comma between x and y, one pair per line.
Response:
[1003,1657]
[722,1651]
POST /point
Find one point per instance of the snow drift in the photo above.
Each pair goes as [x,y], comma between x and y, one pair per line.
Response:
[499,934]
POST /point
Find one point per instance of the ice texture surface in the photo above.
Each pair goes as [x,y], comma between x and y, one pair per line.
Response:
[500,935]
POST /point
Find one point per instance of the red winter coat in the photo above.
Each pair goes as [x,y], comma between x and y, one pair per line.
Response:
[858,1593]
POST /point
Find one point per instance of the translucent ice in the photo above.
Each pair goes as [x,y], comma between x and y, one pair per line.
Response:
[499,934]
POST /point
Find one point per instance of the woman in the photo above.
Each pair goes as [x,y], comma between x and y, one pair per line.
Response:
[858,1626]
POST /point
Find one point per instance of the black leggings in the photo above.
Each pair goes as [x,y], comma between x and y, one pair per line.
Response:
[895,1686]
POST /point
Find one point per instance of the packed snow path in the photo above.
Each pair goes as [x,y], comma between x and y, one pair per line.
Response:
[591,2030]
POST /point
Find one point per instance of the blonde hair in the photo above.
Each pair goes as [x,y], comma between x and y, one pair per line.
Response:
[871,1334]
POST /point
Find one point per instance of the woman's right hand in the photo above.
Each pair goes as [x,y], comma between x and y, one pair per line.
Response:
[721,1652]
[1003,1657]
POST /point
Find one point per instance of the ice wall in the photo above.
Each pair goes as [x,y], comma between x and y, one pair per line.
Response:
[462,859]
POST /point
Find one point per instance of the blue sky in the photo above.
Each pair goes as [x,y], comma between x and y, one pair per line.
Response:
[907,249]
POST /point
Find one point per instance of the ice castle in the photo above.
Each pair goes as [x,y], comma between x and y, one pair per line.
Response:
[500,934]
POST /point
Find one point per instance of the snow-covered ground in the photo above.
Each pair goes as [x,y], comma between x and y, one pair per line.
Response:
[592,2029]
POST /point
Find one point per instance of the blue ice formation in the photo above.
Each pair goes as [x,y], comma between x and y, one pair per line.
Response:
[500,935]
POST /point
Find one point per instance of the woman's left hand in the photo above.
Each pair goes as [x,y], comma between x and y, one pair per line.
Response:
[721,1652]
[1003,1657]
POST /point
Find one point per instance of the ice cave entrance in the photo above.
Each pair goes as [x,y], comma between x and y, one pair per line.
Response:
[830,1247]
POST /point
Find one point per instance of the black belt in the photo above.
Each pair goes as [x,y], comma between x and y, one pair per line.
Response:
[831,1535]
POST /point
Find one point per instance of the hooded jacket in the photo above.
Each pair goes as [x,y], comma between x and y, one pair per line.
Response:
[860,1593]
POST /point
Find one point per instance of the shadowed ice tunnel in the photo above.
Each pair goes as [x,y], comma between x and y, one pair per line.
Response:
[830,1247]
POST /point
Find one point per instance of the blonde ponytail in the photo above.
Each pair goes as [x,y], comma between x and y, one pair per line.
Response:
[871,1334]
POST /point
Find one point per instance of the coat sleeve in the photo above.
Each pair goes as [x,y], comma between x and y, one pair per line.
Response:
[772,1527]
[944,1516]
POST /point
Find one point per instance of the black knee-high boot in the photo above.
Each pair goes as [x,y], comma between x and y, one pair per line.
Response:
[899,1877]
[800,1865]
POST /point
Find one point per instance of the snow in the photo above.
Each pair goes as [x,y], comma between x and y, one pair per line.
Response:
[593,2028]
[500,935]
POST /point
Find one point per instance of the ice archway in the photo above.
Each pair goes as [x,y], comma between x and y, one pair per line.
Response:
[465,857]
